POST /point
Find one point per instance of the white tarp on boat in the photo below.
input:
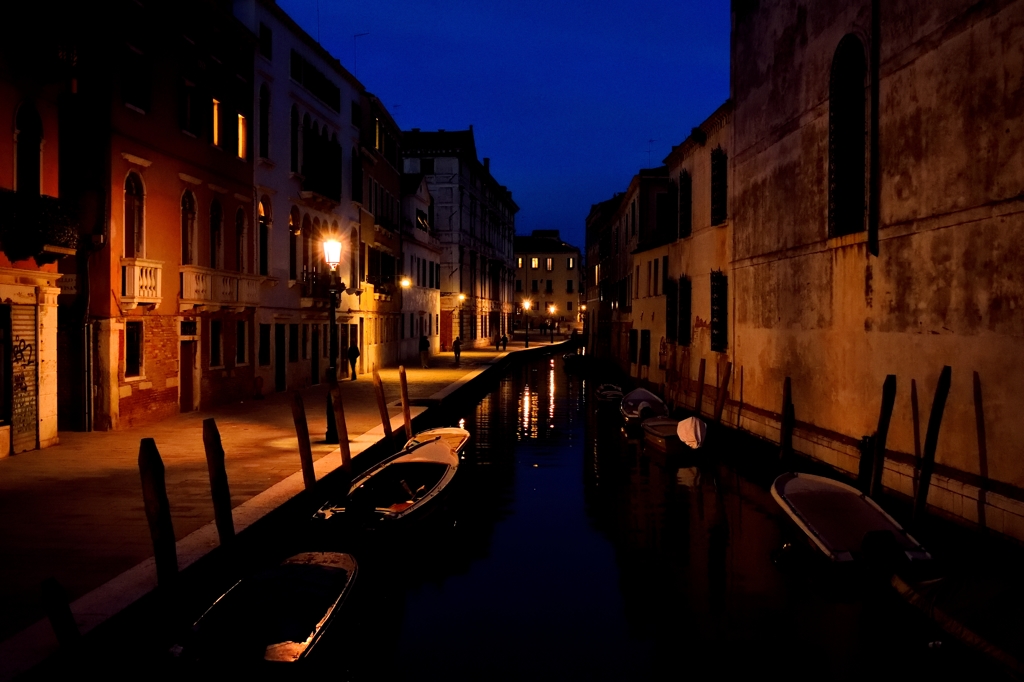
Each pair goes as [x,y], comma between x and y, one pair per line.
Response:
[692,431]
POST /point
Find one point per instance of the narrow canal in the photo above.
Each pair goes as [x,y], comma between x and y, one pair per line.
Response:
[569,551]
[573,552]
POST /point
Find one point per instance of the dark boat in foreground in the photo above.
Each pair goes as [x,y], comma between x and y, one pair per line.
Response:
[403,485]
[641,404]
[843,523]
[276,616]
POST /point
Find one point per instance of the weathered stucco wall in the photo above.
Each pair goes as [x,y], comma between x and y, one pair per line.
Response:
[946,287]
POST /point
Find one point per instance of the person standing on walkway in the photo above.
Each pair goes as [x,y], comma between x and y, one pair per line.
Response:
[504,342]
[457,349]
[353,355]
[424,350]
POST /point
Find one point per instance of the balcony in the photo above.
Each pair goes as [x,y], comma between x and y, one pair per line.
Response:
[35,226]
[211,289]
[141,282]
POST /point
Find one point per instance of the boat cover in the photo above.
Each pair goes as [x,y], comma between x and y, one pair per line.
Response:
[634,402]
[692,432]
[662,427]
[837,517]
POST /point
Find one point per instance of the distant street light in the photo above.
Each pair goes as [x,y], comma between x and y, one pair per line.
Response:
[332,256]
[462,299]
[551,325]
[526,320]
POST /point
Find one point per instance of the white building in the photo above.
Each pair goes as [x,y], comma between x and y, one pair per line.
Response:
[421,270]
[307,131]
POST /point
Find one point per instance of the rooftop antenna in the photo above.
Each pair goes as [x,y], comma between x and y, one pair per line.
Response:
[355,53]
[649,142]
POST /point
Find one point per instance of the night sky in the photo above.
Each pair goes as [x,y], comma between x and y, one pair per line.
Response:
[563,97]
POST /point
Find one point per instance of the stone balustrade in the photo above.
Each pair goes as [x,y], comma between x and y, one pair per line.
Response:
[212,288]
[140,282]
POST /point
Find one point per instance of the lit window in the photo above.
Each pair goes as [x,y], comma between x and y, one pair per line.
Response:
[242,137]
[534,263]
[519,262]
[216,123]
[570,263]
[549,265]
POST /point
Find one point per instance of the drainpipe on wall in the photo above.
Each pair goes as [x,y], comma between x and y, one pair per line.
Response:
[875,178]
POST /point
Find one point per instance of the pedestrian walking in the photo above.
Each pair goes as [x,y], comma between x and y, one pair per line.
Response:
[353,355]
[424,350]
[504,342]
[457,348]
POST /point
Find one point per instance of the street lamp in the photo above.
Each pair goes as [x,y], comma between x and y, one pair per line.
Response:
[406,282]
[332,256]
[462,299]
[551,312]
[526,320]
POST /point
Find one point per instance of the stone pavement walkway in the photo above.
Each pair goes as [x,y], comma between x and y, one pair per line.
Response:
[75,511]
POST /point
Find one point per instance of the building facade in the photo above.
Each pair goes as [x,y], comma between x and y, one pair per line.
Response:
[421,271]
[549,273]
[475,223]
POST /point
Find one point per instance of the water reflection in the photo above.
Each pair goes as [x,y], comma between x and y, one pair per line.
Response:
[571,551]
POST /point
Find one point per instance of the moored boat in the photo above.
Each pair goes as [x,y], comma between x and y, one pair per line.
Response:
[843,523]
[403,485]
[641,404]
[661,433]
[276,616]
[455,437]
[609,394]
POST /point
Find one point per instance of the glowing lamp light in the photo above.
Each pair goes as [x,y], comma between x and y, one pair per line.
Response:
[551,309]
[332,253]
[462,297]
[527,304]
[583,307]
[406,282]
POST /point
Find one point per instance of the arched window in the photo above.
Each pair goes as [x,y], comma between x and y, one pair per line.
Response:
[29,141]
[216,236]
[847,139]
[307,139]
[293,244]
[685,204]
[295,139]
[264,230]
[241,241]
[719,185]
[134,246]
[188,229]
[264,140]
[308,228]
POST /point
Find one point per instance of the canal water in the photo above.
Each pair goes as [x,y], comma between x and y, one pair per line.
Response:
[570,551]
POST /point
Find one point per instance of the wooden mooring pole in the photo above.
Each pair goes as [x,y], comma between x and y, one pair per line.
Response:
[699,403]
[788,418]
[158,512]
[931,441]
[406,409]
[723,392]
[339,419]
[382,404]
[218,481]
[302,433]
[882,434]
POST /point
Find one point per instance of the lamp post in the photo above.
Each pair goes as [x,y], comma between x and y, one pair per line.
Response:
[405,283]
[551,326]
[462,299]
[526,320]
[332,256]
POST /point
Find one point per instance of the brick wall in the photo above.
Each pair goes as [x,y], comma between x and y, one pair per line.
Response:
[149,397]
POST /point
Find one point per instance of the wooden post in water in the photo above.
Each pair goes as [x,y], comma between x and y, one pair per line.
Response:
[382,404]
[218,481]
[788,417]
[406,408]
[931,441]
[339,419]
[723,391]
[302,433]
[331,434]
[58,610]
[881,434]
[700,389]
[158,512]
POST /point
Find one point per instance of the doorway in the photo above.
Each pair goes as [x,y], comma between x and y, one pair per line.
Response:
[279,363]
[186,376]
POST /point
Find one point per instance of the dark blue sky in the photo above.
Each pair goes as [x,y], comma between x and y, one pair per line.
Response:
[563,97]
